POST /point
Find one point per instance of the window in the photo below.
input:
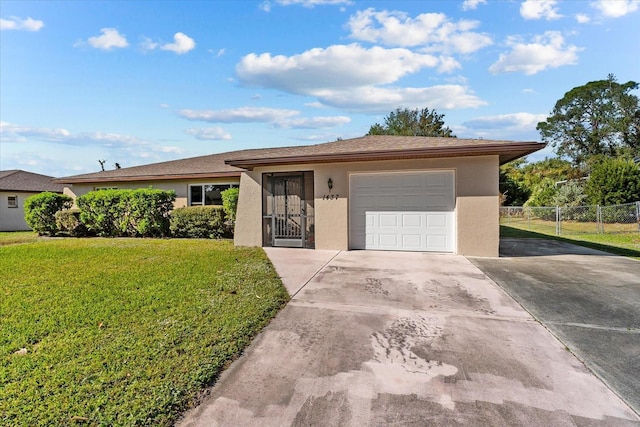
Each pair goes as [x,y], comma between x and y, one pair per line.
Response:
[207,194]
[12,201]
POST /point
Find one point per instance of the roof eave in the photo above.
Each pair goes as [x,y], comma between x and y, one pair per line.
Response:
[167,177]
[506,153]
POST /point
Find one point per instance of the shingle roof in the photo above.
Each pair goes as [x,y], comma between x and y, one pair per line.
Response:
[370,147]
[23,181]
[382,147]
[209,166]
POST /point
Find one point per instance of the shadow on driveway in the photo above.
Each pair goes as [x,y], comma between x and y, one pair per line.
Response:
[589,299]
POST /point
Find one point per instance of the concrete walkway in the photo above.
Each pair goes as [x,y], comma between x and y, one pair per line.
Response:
[394,338]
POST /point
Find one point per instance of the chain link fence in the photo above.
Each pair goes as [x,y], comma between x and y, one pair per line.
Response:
[574,219]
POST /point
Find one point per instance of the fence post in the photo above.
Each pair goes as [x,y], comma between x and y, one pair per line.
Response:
[558,227]
[599,222]
[638,214]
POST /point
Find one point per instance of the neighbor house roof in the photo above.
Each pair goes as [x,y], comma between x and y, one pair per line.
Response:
[210,166]
[386,147]
[28,182]
[370,147]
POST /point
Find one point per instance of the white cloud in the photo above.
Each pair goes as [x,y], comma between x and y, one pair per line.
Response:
[209,134]
[182,43]
[15,23]
[277,117]
[432,31]
[545,51]
[616,8]
[503,126]
[266,6]
[338,66]
[15,133]
[448,64]
[582,18]
[148,44]
[370,99]
[350,77]
[472,4]
[314,104]
[109,39]
[538,9]
[528,90]
[314,122]
[239,115]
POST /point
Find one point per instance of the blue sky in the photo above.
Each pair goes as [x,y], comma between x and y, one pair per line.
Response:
[138,82]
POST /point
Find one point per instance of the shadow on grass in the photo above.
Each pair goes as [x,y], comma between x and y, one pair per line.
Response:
[510,232]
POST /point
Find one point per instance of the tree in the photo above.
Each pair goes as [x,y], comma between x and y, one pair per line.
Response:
[416,122]
[613,181]
[520,181]
[600,117]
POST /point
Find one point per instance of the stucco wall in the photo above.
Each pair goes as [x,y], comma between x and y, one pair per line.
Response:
[12,219]
[477,201]
[181,187]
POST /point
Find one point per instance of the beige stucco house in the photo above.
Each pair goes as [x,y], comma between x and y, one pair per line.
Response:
[15,187]
[375,192]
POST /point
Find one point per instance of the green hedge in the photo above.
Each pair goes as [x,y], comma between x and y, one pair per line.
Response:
[198,222]
[134,213]
[230,203]
[40,210]
[68,222]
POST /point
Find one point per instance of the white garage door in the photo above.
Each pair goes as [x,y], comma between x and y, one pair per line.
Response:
[409,211]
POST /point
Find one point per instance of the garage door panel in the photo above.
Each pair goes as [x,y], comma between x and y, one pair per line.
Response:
[403,211]
[412,220]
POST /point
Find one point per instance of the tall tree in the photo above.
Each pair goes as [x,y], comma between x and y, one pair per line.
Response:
[416,122]
[600,117]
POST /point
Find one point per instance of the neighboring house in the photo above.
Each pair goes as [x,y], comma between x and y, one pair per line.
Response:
[196,180]
[376,192]
[15,187]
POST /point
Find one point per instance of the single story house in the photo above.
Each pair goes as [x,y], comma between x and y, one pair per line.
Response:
[375,192]
[15,187]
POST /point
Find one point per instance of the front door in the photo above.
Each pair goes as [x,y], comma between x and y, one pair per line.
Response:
[288,219]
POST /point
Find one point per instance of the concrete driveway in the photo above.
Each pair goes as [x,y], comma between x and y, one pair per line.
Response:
[395,338]
[587,298]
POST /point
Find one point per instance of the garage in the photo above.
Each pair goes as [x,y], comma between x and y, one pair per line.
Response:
[403,211]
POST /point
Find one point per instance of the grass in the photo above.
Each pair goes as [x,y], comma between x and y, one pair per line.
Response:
[123,331]
[624,244]
[11,238]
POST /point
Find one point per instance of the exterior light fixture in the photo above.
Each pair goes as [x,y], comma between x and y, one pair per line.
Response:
[330,184]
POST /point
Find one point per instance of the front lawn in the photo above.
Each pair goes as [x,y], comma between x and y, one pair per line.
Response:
[124,331]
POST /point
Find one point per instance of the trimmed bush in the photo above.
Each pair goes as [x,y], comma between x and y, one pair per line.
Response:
[199,222]
[134,213]
[230,203]
[40,210]
[68,222]
[613,181]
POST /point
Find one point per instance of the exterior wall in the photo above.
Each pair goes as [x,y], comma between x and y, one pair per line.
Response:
[181,187]
[12,219]
[248,229]
[477,201]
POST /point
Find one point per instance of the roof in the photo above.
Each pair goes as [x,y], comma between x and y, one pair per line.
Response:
[210,166]
[370,147]
[387,147]
[28,182]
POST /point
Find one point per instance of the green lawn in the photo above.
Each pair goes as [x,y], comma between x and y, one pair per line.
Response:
[625,244]
[10,238]
[123,331]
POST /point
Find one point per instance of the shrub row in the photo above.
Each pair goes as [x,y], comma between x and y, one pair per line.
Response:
[136,213]
[131,213]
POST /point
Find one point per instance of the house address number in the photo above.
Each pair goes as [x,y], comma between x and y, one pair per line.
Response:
[330,197]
